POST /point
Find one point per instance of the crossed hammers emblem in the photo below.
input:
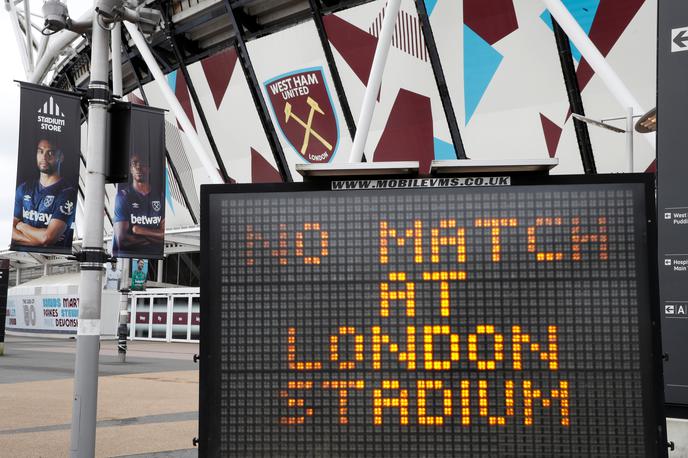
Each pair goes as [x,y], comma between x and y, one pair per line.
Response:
[309,131]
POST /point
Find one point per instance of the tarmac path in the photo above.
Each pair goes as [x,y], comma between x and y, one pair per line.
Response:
[147,406]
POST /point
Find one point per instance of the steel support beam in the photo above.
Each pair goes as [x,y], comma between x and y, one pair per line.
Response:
[575,100]
[179,54]
[329,57]
[440,80]
[256,94]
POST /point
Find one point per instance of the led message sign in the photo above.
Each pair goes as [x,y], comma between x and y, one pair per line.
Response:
[429,322]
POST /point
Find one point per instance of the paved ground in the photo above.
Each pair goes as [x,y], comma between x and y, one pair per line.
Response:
[147,406]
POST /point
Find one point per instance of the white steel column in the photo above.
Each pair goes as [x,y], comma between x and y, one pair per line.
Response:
[206,159]
[592,55]
[379,60]
[58,43]
[29,36]
[116,52]
[21,44]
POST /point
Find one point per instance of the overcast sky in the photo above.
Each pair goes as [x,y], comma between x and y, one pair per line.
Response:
[11,69]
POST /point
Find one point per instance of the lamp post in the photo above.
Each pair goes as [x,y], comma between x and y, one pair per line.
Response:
[628,131]
[93,256]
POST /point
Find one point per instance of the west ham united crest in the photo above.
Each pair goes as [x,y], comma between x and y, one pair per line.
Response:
[305,113]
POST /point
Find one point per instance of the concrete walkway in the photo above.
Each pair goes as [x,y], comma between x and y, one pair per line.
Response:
[147,406]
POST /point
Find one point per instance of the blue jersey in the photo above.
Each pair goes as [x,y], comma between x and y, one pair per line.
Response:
[37,205]
[147,210]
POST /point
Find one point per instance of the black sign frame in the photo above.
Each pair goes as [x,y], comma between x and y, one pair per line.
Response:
[650,336]
[672,140]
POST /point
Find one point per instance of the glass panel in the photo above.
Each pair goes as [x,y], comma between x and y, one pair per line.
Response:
[180,317]
[195,318]
[159,317]
[142,317]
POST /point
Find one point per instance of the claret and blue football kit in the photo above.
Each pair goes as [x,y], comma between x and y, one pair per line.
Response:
[37,205]
[137,209]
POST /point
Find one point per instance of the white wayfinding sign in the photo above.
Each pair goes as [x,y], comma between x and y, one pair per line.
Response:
[679,39]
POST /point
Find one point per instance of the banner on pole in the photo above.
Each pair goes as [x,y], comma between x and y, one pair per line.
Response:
[47,170]
[139,223]
[139,274]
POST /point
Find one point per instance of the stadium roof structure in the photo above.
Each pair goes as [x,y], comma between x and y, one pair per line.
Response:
[485,80]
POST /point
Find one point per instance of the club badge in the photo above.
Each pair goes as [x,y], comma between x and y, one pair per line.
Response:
[305,113]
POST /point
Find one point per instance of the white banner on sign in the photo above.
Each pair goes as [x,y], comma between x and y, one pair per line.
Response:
[53,313]
[679,39]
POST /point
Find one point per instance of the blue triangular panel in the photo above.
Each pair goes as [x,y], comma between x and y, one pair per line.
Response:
[430,5]
[583,11]
[444,151]
[480,63]
[172,80]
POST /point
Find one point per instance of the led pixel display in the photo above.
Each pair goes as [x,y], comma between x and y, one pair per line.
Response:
[427,322]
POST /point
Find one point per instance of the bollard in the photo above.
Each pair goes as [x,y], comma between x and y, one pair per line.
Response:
[122,329]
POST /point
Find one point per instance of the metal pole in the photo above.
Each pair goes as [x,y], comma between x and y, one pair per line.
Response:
[629,140]
[29,36]
[123,315]
[85,401]
[176,108]
[371,92]
[116,51]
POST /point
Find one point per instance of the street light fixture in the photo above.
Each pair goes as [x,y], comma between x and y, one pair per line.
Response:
[647,122]
[628,131]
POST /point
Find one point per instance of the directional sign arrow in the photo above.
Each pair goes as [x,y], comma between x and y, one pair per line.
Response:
[681,39]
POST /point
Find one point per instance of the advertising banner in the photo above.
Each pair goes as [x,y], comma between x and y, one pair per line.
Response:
[47,170]
[50,312]
[4,281]
[139,273]
[139,221]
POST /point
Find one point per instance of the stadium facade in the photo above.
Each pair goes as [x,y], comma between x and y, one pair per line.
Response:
[472,79]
